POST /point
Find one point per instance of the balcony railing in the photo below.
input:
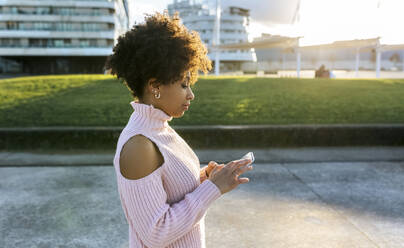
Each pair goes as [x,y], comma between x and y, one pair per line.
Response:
[47,46]
[55,14]
[56,29]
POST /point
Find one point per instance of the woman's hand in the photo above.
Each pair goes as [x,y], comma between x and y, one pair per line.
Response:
[205,171]
[226,177]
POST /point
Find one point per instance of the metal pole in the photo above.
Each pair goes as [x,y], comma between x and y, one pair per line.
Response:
[357,62]
[283,61]
[378,62]
[402,60]
[217,38]
[298,62]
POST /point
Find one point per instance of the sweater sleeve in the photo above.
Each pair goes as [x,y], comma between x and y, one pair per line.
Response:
[158,223]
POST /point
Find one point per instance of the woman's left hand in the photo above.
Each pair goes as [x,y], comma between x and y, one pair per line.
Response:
[208,168]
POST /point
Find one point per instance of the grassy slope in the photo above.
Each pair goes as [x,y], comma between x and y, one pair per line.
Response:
[100,100]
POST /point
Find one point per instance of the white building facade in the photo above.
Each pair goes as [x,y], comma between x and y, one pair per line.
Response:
[233,29]
[271,60]
[59,37]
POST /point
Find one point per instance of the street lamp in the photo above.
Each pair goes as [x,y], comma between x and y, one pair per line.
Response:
[216,41]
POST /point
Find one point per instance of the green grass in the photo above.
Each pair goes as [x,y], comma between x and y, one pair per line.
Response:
[100,100]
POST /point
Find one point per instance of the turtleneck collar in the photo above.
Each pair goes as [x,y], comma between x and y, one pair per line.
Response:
[149,115]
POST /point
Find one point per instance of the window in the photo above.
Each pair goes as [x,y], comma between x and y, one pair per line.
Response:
[64,26]
[58,43]
[21,26]
[42,25]
[11,25]
[15,42]
[96,11]
[5,42]
[67,42]
[93,43]
[84,43]
[35,42]
[43,10]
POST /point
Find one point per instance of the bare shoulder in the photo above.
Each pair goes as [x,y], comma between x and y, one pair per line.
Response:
[139,157]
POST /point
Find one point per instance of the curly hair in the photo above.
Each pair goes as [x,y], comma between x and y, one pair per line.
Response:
[160,48]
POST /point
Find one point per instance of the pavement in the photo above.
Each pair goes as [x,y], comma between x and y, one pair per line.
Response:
[296,197]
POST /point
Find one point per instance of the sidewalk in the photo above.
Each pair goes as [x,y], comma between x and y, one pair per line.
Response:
[269,155]
[305,197]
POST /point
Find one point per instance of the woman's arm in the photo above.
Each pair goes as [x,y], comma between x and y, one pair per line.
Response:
[158,223]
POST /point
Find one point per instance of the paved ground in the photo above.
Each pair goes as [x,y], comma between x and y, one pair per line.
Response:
[354,201]
[272,155]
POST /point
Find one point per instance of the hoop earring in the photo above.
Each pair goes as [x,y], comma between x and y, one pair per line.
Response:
[157,96]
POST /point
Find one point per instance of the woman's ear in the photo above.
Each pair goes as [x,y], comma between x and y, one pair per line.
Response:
[152,84]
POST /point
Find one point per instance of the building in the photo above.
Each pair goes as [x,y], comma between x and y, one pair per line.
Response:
[332,56]
[59,37]
[233,29]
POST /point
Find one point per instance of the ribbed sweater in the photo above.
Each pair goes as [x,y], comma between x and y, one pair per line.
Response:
[166,208]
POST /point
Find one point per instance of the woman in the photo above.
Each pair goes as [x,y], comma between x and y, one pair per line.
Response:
[163,191]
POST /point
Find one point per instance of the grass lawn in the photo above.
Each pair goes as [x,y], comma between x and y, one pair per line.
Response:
[100,100]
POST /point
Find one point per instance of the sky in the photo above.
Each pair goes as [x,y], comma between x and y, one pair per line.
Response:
[317,22]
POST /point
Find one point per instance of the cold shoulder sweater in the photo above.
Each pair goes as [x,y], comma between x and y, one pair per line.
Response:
[166,208]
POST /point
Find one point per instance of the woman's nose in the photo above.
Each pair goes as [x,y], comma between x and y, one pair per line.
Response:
[191,95]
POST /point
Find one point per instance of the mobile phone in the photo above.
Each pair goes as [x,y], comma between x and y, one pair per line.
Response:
[249,155]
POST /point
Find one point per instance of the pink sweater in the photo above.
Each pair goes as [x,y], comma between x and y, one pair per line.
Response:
[167,208]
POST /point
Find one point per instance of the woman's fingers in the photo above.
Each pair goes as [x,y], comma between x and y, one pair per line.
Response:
[243,180]
[243,169]
[211,165]
[234,165]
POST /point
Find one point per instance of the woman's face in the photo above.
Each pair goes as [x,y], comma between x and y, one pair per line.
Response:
[174,98]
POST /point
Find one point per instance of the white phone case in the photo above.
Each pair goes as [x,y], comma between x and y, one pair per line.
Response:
[249,155]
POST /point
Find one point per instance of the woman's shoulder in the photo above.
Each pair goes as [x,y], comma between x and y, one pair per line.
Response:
[140,157]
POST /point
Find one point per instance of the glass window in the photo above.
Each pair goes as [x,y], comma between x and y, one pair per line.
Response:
[58,43]
[89,27]
[34,42]
[67,42]
[15,42]
[26,10]
[63,26]
[93,43]
[5,42]
[11,25]
[84,43]
[42,25]
[104,12]
[96,11]
[43,10]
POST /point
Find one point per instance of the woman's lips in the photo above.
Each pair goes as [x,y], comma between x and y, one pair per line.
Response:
[186,107]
